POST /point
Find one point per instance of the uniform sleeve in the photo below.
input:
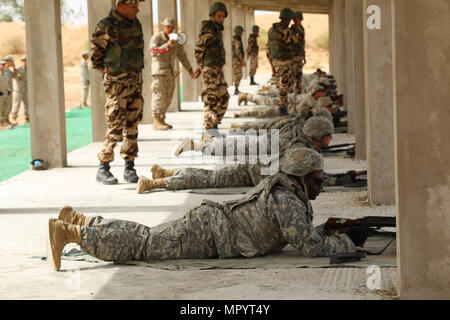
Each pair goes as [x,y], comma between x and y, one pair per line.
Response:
[101,39]
[181,55]
[251,45]
[237,46]
[299,232]
[156,48]
[204,39]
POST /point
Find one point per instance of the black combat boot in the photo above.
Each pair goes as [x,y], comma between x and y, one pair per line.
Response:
[129,173]
[236,92]
[252,81]
[103,174]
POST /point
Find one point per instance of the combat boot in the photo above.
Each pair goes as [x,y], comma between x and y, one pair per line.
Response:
[60,234]
[104,175]
[146,184]
[236,91]
[158,123]
[186,145]
[163,120]
[129,174]
[252,81]
[242,98]
[159,173]
[67,214]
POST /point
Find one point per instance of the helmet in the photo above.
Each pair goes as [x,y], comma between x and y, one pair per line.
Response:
[318,127]
[299,15]
[255,28]
[218,6]
[301,162]
[321,112]
[324,102]
[238,29]
[121,2]
[287,13]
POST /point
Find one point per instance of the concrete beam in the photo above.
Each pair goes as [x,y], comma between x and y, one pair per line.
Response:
[421,124]
[358,73]
[380,106]
[145,16]
[46,82]
[168,8]
[241,21]
[97,10]
[349,94]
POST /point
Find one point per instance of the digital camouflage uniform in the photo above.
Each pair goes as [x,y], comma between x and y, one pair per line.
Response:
[299,54]
[238,57]
[281,44]
[210,56]
[253,52]
[163,70]
[270,216]
[118,49]
[4,96]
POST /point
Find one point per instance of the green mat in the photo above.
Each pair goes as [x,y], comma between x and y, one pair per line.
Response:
[15,147]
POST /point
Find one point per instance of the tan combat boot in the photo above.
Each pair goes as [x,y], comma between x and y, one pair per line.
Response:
[237,126]
[158,123]
[242,98]
[160,173]
[163,120]
[186,145]
[146,184]
[67,214]
[60,234]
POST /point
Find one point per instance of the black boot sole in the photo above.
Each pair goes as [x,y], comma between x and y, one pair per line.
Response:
[108,182]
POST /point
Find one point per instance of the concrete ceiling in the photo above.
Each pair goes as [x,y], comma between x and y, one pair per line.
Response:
[306,6]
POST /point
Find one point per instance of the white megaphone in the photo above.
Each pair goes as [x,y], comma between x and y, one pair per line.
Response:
[180,38]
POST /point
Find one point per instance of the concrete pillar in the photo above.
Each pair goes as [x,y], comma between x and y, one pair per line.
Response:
[46,82]
[168,8]
[97,10]
[241,22]
[349,94]
[146,18]
[339,58]
[380,106]
[358,73]
[421,124]
[189,25]
[248,32]
[331,40]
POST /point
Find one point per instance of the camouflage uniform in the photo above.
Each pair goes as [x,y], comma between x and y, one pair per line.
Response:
[163,72]
[252,52]
[4,96]
[238,57]
[210,56]
[118,49]
[299,52]
[275,213]
[281,47]
[20,93]
[85,79]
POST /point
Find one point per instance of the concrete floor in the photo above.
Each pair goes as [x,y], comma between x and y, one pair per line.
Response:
[28,200]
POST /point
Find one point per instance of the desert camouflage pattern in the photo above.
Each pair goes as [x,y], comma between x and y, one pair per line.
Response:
[321,112]
[214,95]
[117,45]
[301,162]
[308,103]
[209,50]
[238,57]
[270,216]
[252,52]
[283,71]
[163,87]
[281,42]
[124,111]
[298,36]
[5,98]
[20,93]
[237,71]
[317,127]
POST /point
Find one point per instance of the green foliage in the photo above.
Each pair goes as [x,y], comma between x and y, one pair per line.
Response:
[6,17]
[15,10]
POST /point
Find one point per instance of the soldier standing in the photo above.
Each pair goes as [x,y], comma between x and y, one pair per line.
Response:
[20,91]
[298,32]
[238,57]
[252,53]
[210,56]
[281,51]
[85,78]
[164,51]
[5,94]
[10,74]
[118,53]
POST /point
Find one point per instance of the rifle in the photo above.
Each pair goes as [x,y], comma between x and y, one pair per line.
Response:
[339,146]
[373,223]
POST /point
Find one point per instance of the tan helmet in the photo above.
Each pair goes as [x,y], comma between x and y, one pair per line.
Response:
[301,162]
[321,112]
[318,127]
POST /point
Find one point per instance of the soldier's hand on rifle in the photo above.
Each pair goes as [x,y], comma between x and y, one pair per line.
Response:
[358,235]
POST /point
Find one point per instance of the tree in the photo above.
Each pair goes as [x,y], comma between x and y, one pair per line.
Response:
[15,10]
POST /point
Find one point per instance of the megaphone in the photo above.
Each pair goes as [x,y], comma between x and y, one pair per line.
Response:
[180,38]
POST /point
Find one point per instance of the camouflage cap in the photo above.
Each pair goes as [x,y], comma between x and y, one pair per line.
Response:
[324,102]
[169,22]
[321,112]
[318,127]
[9,58]
[121,2]
[301,162]
[317,88]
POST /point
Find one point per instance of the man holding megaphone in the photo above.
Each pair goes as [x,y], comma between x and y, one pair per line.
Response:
[165,47]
